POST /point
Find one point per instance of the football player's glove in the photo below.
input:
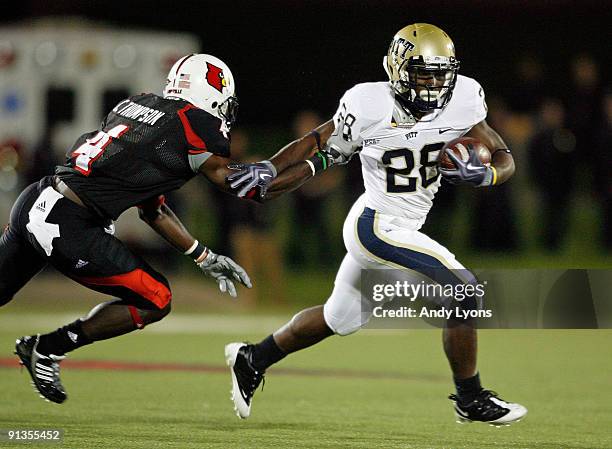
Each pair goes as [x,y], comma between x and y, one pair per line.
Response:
[247,177]
[471,171]
[225,271]
[337,157]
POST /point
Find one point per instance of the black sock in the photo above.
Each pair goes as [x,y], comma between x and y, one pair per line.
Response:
[266,353]
[468,389]
[63,340]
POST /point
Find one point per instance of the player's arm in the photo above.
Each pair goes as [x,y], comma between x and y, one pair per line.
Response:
[502,161]
[290,179]
[156,213]
[259,177]
[216,170]
[473,171]
[334,142]
[291,161]
[302,148]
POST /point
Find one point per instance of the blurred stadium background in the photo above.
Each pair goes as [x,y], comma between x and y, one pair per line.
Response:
[545,68]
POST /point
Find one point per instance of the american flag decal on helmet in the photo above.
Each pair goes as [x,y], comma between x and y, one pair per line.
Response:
[184,82]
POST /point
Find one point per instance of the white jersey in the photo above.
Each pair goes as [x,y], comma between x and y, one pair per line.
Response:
[398,154]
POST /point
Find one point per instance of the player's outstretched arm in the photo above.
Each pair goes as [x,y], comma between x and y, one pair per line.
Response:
[501,159]
[216,170]
[248,178]
[284,172]
[224,270]
[302,148]
[290,179]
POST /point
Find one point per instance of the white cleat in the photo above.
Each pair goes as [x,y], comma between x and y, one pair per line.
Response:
[245,378]
[487,407]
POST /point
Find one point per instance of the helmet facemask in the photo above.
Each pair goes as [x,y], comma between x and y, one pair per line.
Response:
[427,85]
[422,67]
[228,110]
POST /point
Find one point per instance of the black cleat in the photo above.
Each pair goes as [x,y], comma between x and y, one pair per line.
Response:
[43,369]
[245,378]
[489,408]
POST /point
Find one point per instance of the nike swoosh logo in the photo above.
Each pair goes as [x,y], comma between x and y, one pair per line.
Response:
[244,395]
[265,175]
[442,131]
[473,167]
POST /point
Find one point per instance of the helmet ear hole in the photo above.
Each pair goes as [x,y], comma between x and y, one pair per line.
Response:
[214,105]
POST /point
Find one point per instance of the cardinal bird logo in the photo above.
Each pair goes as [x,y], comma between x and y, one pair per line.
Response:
[215,77]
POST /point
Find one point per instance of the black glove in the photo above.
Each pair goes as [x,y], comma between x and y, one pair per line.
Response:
[258,176]
[471,171]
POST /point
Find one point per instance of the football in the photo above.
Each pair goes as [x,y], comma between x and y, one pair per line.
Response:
[462,148]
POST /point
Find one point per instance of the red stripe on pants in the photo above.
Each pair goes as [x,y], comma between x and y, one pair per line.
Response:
[140,282]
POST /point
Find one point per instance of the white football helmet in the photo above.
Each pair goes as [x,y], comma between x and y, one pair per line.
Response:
[207,83]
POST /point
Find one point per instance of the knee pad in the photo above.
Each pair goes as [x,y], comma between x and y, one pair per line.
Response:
[344,311]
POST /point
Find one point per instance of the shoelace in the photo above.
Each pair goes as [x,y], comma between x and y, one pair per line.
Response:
[257,378]
[483,396]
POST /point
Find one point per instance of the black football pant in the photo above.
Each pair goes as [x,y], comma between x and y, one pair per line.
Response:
[46,228]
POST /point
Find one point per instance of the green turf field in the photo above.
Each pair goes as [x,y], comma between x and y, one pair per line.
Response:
[378,389]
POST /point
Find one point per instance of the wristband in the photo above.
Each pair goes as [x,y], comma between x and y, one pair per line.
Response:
[312,167]
[490,177]
[319,162]
[196,251]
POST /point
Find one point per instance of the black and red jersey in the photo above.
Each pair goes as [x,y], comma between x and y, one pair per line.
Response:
[146,146]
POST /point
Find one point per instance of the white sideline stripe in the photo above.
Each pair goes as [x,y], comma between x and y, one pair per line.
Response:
[174,324]
[199,323]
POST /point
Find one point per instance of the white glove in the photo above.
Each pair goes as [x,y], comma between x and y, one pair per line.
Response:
[224,270]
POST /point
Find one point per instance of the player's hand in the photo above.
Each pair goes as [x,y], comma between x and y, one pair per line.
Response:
[336,157]
[472,171]
[225,271]
[247,177]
